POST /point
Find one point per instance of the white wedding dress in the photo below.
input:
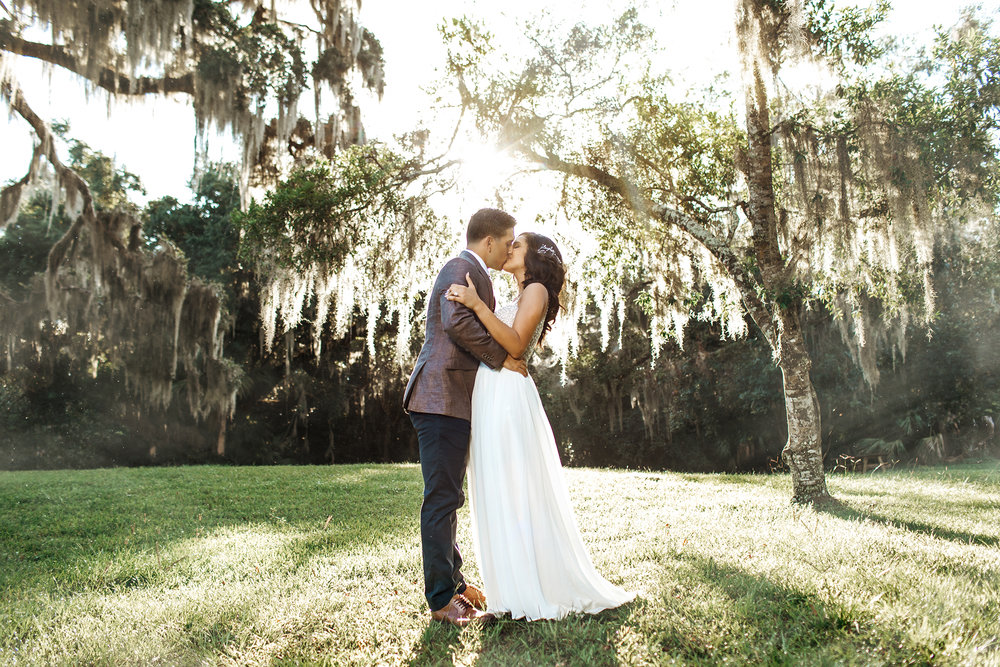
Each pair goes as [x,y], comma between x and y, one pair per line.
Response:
[531,557]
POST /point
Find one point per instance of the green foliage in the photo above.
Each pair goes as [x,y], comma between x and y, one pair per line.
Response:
[56,417]
[844,34]
[686,146]
[951,126]
[341,408]
[25,245]
[549,92]
[468,42]
[969,57]
[203,230]
[370,55]
[260,54]
[69,406]
[219,65]
[331,66]
[874,165]
[909,143]
[276,62]
[110,185]
[316,215]
[947,385]
[879,446]
[959,365]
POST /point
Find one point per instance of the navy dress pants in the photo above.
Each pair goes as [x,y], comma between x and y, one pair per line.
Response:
[444,454]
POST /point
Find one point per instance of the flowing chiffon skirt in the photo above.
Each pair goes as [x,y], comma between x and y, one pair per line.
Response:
[531,557]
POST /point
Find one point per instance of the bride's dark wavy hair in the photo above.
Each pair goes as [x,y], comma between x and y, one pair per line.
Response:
[543,263]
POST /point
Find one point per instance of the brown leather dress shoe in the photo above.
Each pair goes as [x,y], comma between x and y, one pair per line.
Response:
[475,596]
[459,611]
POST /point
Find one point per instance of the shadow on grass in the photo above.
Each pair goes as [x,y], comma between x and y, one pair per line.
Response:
[437,645]
[767,621]
[584,639]
[844,510]
[760,480]
[754,620]
[115,528]
[706,613]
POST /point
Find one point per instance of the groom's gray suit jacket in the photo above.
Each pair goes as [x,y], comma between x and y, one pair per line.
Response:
[456,341]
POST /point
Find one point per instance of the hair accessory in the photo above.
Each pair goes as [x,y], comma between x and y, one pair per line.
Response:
[549,251]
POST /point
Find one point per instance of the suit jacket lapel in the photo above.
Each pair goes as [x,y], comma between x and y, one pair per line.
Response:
[475,262]
[488,298]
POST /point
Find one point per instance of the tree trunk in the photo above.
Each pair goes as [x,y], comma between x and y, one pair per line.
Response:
[803,451]
[220,442]
[331,456]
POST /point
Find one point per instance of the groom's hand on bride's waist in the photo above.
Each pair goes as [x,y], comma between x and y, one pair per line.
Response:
[516,365]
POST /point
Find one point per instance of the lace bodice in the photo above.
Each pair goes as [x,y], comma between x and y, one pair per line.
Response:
[506,314]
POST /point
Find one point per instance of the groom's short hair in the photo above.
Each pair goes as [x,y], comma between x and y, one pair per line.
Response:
[488,222]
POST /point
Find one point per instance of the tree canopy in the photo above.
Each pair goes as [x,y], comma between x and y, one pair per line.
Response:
[245,68]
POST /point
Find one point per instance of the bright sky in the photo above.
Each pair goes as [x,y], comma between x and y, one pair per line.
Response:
[154,138]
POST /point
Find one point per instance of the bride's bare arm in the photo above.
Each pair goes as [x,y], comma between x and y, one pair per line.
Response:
[530,311]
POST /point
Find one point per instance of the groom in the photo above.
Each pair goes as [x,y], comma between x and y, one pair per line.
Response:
[438,398]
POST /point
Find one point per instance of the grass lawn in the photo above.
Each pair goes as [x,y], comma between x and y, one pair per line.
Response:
[289,565]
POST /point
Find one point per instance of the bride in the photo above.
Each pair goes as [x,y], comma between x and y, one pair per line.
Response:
[531,556]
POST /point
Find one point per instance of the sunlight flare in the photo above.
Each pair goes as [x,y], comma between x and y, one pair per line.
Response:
[483,171]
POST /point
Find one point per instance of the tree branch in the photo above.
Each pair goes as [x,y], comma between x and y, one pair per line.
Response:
[717,247]
[639,203]
[427,171]
[70,180]
[299,25]
[106,78]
